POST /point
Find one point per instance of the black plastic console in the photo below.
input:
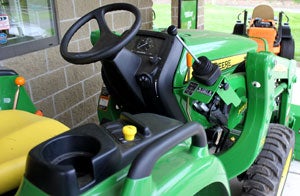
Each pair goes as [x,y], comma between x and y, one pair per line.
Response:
[75,161]
[140,77]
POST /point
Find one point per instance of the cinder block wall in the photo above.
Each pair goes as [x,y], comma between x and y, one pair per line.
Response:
[67,92]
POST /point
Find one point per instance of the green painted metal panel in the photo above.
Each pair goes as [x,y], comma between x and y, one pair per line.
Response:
[213,45]
[192,170]
[27,188]
[7,95]
[262,69]
[295,112]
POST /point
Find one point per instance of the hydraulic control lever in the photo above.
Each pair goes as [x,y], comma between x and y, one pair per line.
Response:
[172,30]
[204,71]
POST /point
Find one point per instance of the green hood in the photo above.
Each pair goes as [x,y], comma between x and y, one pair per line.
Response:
[215,45]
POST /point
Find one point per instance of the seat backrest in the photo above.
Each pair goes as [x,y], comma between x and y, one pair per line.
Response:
[263,12]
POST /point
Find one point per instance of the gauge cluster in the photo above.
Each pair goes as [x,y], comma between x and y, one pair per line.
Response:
[145,45]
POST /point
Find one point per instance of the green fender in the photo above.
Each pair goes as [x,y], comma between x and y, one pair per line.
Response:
[261,71]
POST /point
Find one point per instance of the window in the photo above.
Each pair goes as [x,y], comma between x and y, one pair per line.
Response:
[26,26]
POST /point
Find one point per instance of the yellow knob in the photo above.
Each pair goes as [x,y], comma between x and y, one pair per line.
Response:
[129,132]
[232,139]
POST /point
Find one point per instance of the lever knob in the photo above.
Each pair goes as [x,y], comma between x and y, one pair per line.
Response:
[20,81]
[172,30]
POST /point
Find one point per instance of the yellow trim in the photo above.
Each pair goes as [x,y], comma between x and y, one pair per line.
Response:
[243,108]
[20,132]
[228,62]
[262,142]
[285,172]
[188,75]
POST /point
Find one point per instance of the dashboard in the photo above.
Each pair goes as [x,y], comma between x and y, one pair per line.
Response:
[159,55]
[152,47]
[145,45]
[143,74]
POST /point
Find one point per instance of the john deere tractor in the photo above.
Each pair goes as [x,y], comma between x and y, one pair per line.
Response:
[181,113]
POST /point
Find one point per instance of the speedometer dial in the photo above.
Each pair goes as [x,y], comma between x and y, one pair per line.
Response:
[144,45]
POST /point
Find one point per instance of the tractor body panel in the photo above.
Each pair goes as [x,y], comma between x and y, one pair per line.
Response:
[295,112]
[251,112]
[206,172]
[17,140]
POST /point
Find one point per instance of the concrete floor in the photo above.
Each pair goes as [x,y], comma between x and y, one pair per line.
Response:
[292,183]
[292,186]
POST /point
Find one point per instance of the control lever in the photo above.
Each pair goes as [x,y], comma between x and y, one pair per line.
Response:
[19,81]
[204,71]
[172,30]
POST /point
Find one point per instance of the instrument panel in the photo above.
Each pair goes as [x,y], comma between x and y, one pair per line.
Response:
[146,45]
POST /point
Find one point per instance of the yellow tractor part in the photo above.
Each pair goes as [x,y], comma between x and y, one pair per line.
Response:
[20,131]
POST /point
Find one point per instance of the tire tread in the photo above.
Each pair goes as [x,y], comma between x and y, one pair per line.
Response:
[264,176]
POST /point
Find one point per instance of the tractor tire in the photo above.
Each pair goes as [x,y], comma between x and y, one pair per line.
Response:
[268,173]
[287,48]
[238,29]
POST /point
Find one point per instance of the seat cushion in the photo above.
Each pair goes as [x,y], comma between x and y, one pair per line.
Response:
[19,132]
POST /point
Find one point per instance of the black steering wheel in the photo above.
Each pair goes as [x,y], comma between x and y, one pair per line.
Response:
[109,44]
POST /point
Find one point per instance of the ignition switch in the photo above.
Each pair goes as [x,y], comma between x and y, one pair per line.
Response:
[145,80]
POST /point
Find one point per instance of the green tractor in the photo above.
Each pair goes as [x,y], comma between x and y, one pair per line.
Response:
[182,113]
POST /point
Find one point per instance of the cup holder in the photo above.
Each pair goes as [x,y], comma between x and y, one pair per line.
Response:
[72,162]
[76,151]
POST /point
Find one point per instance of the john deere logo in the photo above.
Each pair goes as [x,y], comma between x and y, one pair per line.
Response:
[228,62]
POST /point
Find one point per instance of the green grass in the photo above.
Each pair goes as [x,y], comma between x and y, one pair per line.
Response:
[223,18]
